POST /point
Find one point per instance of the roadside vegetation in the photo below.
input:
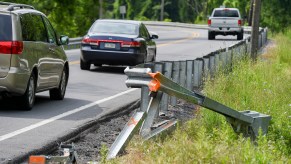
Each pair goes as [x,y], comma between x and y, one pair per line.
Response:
[264,86]
[74,17]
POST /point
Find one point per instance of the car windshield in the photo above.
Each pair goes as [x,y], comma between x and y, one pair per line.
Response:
[226,13]
[5,28]
[115,28]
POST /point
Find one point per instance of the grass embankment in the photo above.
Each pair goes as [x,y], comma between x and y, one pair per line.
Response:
[264,87]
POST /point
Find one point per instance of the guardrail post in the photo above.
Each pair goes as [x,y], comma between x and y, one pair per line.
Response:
[217,63]
[223,60]
[168,66]
[249,47]
[145,99]
[158,68]
[176,72]
[205,67]
[229,56]
[212,65]
[189,73]
[182,75]
[152,113]
[198,67]
[260,40]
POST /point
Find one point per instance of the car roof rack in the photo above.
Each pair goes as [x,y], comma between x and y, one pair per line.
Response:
[11,6]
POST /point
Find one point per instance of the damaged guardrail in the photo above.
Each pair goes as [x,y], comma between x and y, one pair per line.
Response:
[246,122]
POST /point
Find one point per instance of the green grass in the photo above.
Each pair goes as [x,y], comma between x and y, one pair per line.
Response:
[264,86]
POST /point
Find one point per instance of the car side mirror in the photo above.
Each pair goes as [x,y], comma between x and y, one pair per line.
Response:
[154,35]
[64,40]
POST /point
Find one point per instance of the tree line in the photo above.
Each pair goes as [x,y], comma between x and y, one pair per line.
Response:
[74,17]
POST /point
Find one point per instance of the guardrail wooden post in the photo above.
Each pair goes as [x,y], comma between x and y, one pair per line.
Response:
[176,72]
[168,66]
[189,75]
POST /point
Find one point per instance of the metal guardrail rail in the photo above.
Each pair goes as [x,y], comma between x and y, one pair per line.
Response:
[246,122]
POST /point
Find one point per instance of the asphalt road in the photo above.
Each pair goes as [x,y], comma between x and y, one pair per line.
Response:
[90,94]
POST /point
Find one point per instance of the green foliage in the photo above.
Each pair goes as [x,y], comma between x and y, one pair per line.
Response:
[74,17]
[103,153]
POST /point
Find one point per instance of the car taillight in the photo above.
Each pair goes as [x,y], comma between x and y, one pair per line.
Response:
[209,22]
[87,40]
[130,44]
[239,22]
[11,47]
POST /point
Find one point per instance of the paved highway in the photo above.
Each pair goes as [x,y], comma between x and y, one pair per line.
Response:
[90,94]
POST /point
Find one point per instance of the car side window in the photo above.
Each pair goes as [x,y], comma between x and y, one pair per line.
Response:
[33,28]
[143,32]
[51,32]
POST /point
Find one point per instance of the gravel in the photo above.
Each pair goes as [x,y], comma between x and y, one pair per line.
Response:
[88,144]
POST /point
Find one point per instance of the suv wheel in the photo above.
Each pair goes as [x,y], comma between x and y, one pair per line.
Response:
[28,99]
[240,36]
[84,65]
[211,35]
[59,93]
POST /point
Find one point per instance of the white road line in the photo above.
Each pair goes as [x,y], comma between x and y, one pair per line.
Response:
[44,122]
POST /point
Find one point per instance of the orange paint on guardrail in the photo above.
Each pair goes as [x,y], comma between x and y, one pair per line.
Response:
[154,85]
[132,121]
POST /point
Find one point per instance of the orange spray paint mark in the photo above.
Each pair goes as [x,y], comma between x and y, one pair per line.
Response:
[132,121]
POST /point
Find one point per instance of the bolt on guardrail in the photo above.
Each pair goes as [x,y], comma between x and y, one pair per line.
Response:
[246,122]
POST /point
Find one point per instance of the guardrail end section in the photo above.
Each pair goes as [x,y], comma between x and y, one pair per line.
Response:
[252,130]
[261,122]
[126,134]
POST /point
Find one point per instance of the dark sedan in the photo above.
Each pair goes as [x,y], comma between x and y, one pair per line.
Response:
[117,42]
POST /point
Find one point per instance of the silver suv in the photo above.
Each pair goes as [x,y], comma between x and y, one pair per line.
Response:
[32,58]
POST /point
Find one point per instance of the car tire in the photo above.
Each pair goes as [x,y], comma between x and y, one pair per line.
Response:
[27,100]
[240,36]
[211,35]
[154,57]
[59,93]
[84,65]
